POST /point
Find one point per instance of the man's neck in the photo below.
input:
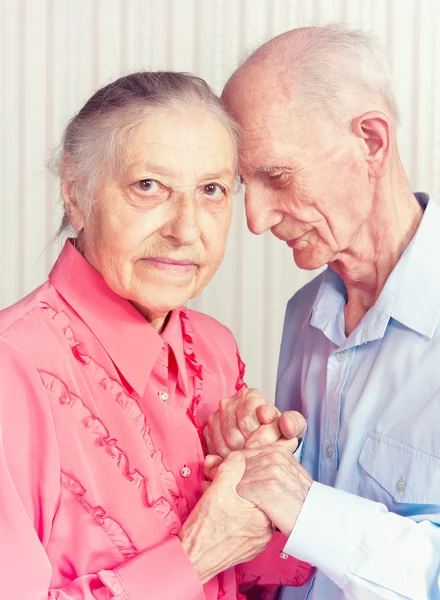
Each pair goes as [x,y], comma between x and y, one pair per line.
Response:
[366,266]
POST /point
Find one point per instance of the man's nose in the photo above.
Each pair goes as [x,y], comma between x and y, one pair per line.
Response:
[260,217]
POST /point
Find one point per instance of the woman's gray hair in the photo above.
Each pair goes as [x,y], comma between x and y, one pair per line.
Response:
[93,141]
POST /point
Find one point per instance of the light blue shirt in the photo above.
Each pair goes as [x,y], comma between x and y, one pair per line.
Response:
[370,523]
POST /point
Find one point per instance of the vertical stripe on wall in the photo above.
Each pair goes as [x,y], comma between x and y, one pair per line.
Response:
[54,55]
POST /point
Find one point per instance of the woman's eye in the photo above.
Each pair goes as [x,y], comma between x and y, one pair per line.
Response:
[148,186]
[214,190]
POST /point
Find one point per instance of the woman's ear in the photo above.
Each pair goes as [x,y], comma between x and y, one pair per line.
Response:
[374,128]
[72,205]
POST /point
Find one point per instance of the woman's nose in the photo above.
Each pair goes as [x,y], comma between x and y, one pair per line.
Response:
[183,225]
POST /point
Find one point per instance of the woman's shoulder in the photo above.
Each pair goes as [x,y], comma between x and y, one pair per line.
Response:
[208,328]
[24,325]
[12,316]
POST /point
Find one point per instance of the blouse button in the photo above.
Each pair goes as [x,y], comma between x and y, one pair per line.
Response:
[283,555]
[163,395]
[185,472]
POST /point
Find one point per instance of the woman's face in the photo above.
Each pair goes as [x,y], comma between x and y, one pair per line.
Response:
[158,231]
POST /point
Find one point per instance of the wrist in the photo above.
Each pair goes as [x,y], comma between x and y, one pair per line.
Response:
[198,555]
[284,513]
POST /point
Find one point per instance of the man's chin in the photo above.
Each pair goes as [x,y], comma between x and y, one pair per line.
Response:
[308,263]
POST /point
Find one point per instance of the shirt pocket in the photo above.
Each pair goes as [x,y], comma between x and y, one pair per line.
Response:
[396,474]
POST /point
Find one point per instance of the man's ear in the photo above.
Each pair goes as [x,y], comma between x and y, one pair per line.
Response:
[69,193]
[374,128]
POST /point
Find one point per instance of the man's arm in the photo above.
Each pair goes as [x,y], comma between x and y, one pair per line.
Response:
[365,550]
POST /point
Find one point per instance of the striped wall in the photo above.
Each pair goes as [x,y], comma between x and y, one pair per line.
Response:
[55,53]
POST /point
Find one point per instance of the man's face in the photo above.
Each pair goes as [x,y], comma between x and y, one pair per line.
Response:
[306,180]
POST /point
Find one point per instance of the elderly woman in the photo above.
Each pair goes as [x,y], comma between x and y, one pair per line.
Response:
[106,380]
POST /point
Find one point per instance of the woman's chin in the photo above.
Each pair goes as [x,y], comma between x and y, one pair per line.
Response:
[164,302]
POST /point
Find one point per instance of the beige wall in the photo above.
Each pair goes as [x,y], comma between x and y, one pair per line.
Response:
[55,53]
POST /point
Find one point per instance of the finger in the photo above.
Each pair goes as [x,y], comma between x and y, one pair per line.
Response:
[205,485]
[208,440]
[247,419]
[231,470]
[211,461]
[232,436]
[292,424]
[267,413]
[218,444]
[264,436]
[290,445]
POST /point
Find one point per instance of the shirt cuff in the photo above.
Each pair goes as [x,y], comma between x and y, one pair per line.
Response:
[164,571]
[329,529]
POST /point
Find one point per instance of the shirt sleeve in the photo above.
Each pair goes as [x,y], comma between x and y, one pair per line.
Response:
[274,567]
[29,496]
[365,550]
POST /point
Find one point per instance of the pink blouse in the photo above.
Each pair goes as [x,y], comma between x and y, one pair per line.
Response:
[100,450]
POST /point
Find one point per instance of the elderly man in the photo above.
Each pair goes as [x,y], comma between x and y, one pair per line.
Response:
[361,346]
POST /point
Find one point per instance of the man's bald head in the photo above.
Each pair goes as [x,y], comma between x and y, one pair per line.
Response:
[342,72]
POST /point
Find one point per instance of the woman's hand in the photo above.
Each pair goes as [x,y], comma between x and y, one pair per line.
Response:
[248,419]
[273,480]
[224,529]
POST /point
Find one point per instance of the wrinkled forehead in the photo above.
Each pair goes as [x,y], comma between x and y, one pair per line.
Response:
[269,134]
[180,139]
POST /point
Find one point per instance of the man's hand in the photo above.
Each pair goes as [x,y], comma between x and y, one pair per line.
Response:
[274,481]
[248,418]
[224,529]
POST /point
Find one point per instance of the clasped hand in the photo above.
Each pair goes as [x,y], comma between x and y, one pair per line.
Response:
[256,483]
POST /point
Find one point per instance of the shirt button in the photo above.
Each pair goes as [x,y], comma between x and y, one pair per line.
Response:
[283,555]
[163,395]
[342,355]
[329,450]
[185,472]
[401,484]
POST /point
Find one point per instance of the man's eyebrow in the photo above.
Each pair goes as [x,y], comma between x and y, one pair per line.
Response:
[270,168]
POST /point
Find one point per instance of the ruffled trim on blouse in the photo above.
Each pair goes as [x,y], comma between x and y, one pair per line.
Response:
[113,584]
[97,429]
[240,384]
[133,412]
[196,369]
[111,527]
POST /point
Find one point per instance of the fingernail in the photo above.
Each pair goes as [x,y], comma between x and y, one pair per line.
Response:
[269,412]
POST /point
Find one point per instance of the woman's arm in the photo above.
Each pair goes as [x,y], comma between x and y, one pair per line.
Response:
[29,499]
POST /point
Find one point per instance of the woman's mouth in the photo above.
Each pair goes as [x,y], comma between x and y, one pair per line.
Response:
[171,265]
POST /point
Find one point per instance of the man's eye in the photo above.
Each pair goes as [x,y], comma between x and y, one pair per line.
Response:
[277,179]
[214,190]
[150,186]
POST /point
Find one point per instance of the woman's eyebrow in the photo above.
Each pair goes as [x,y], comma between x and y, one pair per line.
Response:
[217,174]
[154,168]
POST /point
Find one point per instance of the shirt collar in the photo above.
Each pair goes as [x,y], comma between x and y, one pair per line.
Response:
[414,295]
[411,294]
[172,335]
[129,340]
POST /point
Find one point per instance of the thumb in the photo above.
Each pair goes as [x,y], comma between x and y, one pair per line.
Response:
[291,444]
[231,470]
